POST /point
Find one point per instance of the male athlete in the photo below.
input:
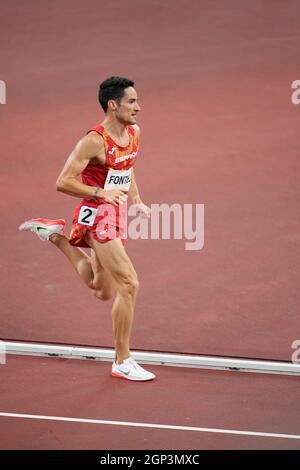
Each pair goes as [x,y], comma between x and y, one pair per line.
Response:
[104,159]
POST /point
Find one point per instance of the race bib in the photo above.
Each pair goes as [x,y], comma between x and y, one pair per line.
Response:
[118,179]
[87,215]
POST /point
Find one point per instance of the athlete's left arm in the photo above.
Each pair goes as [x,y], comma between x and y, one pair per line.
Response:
[134,190]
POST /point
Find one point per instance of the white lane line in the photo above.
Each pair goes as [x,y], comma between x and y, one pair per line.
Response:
[148,425]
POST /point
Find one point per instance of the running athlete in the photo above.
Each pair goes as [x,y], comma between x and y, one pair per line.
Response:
[104,158]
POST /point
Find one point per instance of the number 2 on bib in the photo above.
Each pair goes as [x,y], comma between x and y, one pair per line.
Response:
[87,215]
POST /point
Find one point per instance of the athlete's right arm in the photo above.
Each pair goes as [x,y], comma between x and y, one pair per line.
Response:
[67,182]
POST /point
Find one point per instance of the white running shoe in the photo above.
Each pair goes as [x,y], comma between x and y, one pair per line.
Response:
[130,370]
[44,227]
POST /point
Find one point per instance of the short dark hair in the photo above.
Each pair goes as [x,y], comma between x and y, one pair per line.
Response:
[113,89]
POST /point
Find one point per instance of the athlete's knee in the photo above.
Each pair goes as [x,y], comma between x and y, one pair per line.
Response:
[103,294]
[129,283]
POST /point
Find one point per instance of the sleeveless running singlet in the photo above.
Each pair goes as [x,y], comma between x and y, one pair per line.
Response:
[116,173]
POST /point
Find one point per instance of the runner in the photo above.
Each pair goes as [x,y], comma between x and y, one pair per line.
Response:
[104,158]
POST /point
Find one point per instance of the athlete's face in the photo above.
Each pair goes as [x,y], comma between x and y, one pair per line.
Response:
[128,108]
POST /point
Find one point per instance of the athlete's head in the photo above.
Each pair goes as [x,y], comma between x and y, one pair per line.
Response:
[118,96]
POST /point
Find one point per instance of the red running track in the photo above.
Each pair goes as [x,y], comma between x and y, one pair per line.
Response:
[219,128]
[199,398]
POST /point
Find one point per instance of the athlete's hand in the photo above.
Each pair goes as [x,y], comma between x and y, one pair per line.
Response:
[143,210]
[114,196]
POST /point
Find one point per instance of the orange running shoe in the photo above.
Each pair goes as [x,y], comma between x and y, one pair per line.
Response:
[43,228]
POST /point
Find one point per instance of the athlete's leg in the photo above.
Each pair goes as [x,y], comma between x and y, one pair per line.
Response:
[88,267]
[53,230]
[115,261]
[104,285]
[78,258]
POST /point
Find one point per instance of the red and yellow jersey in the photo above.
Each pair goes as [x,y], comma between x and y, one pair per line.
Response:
[117,169]
[92,213]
